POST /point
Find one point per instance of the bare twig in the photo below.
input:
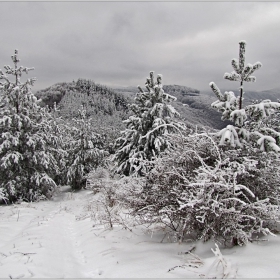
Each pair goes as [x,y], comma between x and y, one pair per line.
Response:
[188,252]
[3,254]
[31,273]
[25,254]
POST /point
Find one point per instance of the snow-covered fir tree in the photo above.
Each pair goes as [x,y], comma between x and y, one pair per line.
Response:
[27,162]
[60,137]
[85,150]
[242,73]
[250,120]
[152,119]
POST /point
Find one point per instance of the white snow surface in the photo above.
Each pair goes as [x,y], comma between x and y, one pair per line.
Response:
[58,239]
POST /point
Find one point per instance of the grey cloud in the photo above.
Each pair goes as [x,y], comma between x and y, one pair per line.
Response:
[118,43]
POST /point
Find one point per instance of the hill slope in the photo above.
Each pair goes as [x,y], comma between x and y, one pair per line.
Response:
[106,108]
[194,107]
[110,105]
[96,98]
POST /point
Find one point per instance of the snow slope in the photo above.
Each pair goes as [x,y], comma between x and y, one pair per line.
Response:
[59,239]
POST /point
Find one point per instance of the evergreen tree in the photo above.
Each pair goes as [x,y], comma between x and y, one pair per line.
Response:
[60,137]
[144,138]
[242,73]
[85,151]
[27,162]
[250,121]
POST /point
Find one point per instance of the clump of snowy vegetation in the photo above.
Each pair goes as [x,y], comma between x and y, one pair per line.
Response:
[203,186]
[27,146]
[144,139]
[198,191]
[109,207]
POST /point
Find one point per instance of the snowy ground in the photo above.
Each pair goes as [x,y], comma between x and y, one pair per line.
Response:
[56,239]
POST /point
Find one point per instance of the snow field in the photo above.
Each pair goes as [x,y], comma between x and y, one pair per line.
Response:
[58,239]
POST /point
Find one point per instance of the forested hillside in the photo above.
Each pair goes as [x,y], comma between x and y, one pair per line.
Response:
[106,108]
[110,105]
[94,97]
[194,107]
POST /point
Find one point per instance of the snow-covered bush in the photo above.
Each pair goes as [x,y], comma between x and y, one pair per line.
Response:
[109,206]
[263,177]
[250,124]
[198,190]
[27,146]
[144,139]
[85,151]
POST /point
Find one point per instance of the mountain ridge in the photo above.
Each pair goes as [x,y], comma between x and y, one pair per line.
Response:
[193,105]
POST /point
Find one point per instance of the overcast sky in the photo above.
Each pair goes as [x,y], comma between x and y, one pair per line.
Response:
[118,43]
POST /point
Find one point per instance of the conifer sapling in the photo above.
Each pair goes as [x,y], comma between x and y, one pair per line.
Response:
[152,119]
[249,121]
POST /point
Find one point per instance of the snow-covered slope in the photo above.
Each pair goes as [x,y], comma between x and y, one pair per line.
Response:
[59,239]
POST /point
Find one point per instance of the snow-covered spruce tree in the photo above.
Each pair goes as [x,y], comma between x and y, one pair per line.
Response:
[200,192]
[85,151]
[60,136]
[250,120]
[27,163]
[144,139]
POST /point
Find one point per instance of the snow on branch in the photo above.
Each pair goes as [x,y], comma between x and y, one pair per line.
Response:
[229,136]
[242,45]
[217,91]
[227,102]
[268,143]
[235,66]
[238,117]
[233,76]
[263,109]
